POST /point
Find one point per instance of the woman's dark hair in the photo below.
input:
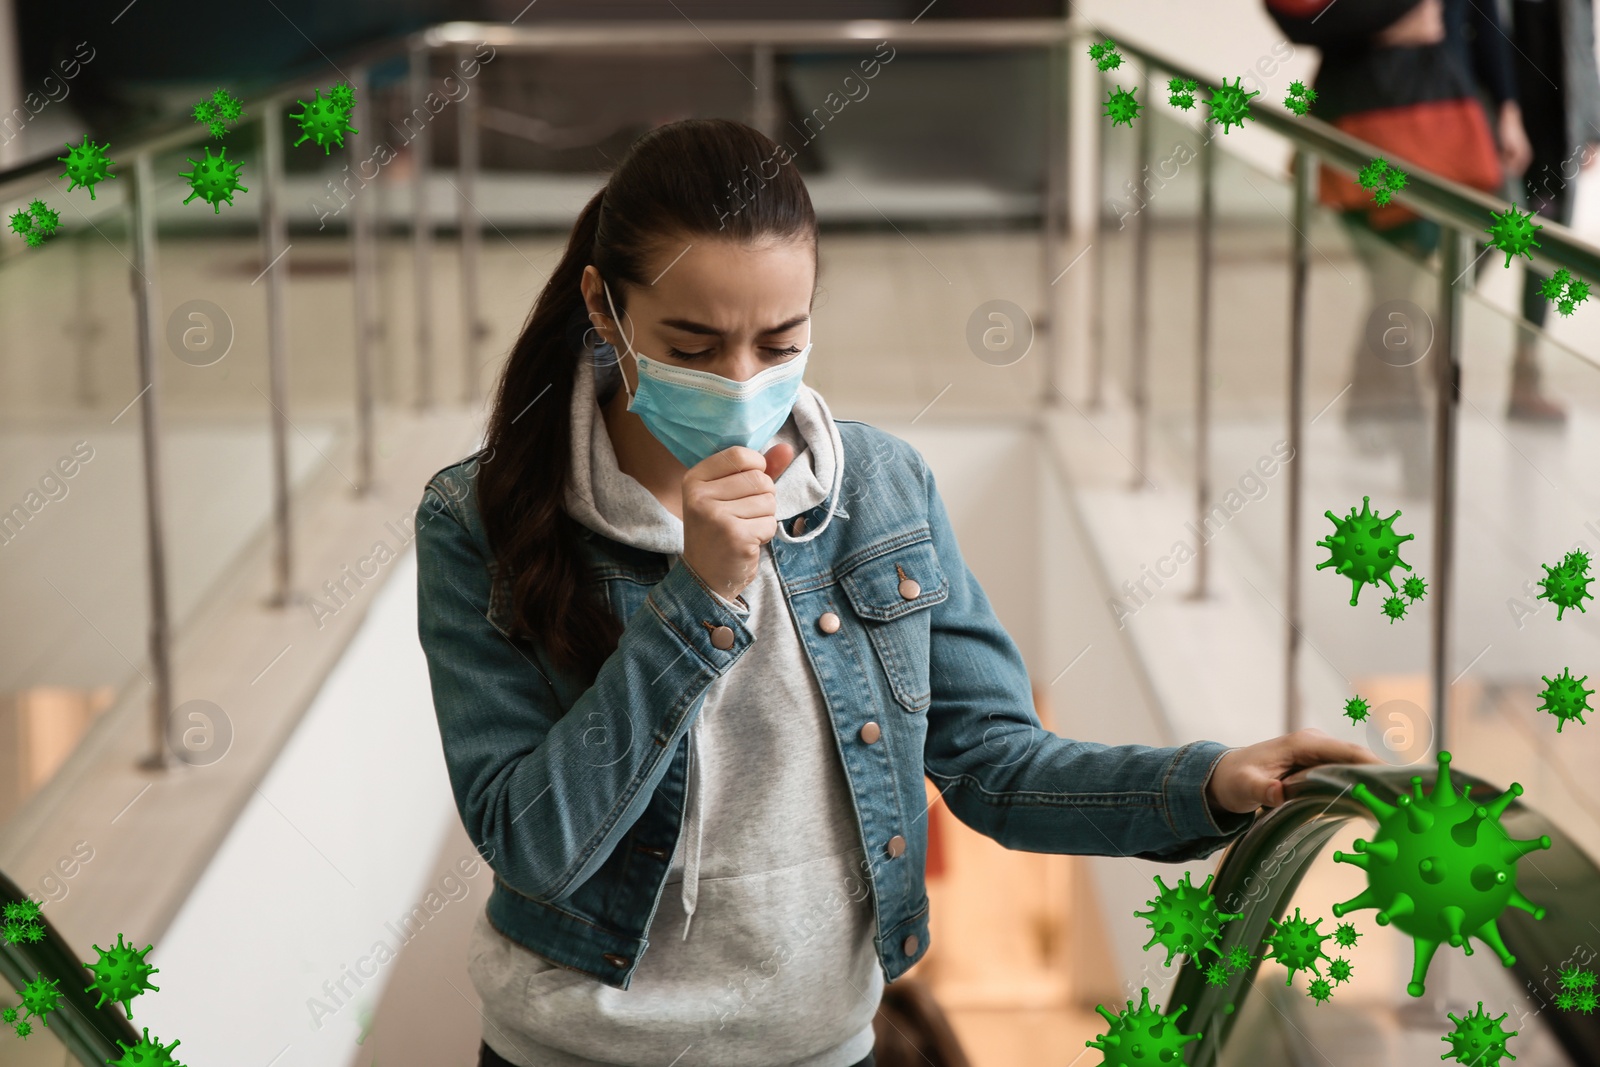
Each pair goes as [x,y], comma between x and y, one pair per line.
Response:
[689,180]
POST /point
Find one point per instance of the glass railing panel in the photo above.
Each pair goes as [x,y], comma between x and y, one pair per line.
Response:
[72,517]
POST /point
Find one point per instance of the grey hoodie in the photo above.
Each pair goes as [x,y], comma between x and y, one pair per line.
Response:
[781,969]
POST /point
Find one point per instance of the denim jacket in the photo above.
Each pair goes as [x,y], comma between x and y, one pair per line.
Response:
[573,793]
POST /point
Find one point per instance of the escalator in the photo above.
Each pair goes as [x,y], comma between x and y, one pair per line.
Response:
[1246,1022]
[1243,1022]
[78,1032]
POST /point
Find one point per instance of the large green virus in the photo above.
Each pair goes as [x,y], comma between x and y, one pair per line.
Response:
[1230,105]
[1566,585]
[1364,548]
[1180,93]
[1441,868]
[1141,1036]
[1512,233]
[147,1053]
[214,180]
[323,121]
[1122,107]
[1184,917]
[1565,697]
[1297,944]
[1478,1039]
[86,164]
[39,997]
[121,974]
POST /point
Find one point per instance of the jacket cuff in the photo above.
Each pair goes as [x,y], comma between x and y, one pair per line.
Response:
[699,617]
[1184,794]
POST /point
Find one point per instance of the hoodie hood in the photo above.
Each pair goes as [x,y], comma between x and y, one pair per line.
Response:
[617,506]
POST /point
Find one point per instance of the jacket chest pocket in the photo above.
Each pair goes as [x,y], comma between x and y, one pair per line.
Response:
[891,593]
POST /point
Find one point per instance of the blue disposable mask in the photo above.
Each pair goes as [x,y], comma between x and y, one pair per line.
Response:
[697,414]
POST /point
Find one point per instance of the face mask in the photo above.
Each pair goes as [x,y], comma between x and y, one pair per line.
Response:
[697,414]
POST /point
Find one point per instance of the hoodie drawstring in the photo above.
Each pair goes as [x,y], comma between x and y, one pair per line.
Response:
[692,826]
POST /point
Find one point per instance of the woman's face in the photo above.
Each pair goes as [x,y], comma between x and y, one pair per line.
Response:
[726,307]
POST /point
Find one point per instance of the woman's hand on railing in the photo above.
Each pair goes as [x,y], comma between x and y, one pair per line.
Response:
[1245,779]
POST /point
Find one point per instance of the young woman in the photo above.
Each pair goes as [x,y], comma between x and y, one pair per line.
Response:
[694,644]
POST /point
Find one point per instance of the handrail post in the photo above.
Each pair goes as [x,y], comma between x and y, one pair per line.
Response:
[147,305]
[1300,265]
[1447,342]
[1202,385]
[467,166]
[1141,302]
[421,221]
[363,258]
[1055,147]
[275,250]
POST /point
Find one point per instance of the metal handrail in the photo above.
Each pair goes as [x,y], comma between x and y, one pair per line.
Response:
[1260,871]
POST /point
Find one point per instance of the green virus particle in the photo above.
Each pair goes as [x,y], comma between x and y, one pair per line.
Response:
[86,164]
[27,911]
[1184,917]
[1565,697]
[1585,1000]
[217,127]
[324,122]
[1105,55]
[1364,548]
[342,96]
[1383,178]
[1300,98]
[1555,286]
[39,997]
[24,1028]
[1180,93]
[8,1015]
[1239,958]
[1141,1035]
[214,180]
[1122,107]
[1216,974]
[1576,561]
[1566,1001]
[1346,934]
[1339,970]
[1230,105]
[1414,588]
[227,105]
[204,112]
[35,223]
[1512,233]
[147,1053]
[1441,868]
[1394,608]
[1321,990]
[1577,979]
[1565,586]
[1566,291]
[1355,709]
[1478,1039]
[120,975]
[1297,944]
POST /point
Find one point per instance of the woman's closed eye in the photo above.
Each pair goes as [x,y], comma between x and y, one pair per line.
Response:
[774,353]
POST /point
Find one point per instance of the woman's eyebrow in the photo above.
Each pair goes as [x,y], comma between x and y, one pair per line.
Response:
[689,326]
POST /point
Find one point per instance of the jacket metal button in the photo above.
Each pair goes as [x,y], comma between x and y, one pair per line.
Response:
[910,945]
[616,960]
[828,623]
[897,845]
[909,589]
[870,732]
[799,526]
[722,637]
